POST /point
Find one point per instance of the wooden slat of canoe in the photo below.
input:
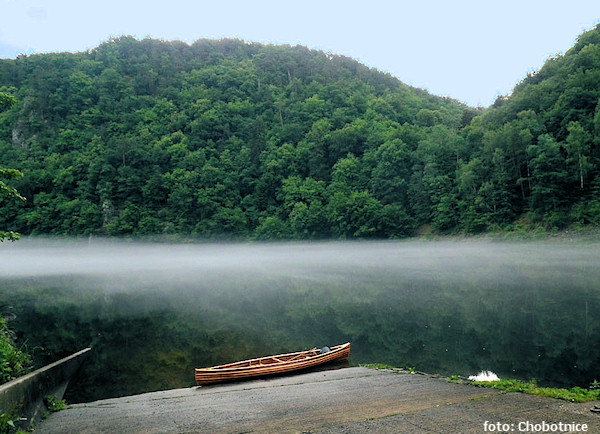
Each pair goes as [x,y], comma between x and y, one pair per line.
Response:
[315,359]
[210,375]
[257,360]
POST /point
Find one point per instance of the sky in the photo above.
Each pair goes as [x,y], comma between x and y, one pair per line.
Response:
[469,50]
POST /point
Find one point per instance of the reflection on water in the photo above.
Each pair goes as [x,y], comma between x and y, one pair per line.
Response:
[155,311]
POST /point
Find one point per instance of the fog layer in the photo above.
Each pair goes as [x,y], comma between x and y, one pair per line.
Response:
[450,260]
[153,311]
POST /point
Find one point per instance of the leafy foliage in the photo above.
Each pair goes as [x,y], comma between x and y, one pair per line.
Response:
[6,191]
[152,137]
[241,140]
[54,404]
[13,362]
[7,422]
[574,394]
[10,193]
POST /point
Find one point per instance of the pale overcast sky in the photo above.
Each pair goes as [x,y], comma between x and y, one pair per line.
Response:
[471,50]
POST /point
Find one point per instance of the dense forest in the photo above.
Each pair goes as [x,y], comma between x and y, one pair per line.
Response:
[242,140]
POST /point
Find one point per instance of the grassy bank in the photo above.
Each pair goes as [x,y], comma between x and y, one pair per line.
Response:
[574,394]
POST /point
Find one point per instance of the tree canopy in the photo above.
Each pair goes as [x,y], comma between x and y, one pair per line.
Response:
[7,192]
[242,140]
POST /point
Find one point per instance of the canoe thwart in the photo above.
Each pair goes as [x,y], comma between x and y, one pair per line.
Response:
[272,365]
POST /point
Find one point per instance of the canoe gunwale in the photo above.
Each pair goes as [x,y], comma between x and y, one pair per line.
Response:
[245,368]
[248,363]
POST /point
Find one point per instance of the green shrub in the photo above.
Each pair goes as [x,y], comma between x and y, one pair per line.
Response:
[7,422]
[54,404]
[13,362]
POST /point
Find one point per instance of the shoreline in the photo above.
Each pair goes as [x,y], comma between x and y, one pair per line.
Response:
[347,400]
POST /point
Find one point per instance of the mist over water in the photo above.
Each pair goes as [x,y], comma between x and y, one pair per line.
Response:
[451,260]
[520,309]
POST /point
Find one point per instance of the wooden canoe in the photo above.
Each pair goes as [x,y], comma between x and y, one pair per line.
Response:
[272,365]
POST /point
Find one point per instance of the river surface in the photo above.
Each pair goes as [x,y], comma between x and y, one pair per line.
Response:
[154,311]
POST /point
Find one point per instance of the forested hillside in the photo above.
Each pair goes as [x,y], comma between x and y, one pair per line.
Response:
[233,139]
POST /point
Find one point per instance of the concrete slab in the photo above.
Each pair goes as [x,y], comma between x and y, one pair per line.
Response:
[25,395]
[351,400]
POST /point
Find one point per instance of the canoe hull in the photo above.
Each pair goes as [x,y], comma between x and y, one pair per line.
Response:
[271,365]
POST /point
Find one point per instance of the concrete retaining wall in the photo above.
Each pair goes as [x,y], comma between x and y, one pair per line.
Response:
[25,395]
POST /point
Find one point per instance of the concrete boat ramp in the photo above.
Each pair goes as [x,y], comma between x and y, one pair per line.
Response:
[351,400]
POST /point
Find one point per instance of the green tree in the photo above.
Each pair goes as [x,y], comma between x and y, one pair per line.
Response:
[235,139]
[578,149]
[6,191]
[355,214]
[304,202]
[6,100]
[548,176]
[391,172]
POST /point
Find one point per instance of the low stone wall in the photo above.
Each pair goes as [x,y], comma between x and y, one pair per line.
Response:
[25,395]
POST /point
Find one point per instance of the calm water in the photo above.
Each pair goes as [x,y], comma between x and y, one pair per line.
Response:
[155,311]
